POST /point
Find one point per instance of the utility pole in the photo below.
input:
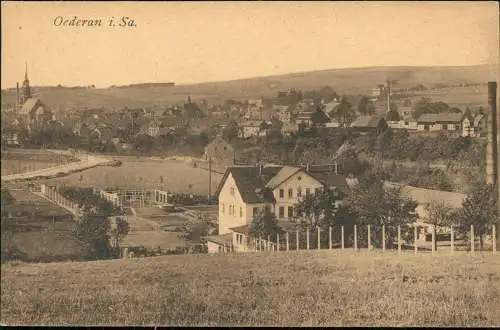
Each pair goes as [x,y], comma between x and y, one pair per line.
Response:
[209,179]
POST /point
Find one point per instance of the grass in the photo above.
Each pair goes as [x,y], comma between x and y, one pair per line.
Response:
[350,81]
[141,173]
[306,288]
[44,234]
[23,160]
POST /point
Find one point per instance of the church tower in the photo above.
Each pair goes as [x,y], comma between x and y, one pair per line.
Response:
[26,86]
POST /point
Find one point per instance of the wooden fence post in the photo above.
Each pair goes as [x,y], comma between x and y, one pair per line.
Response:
[415,234]
[355,237]
[433,239]
[307,240]
[287,242]
[330,237]
[383,237]
[452,245]
[297,240]
[369,238]
[399,239]
[269,247]
[472,239]
[319,242]
[342,237]
[277,242]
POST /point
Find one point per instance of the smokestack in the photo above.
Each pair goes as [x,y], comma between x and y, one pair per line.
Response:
[492,146]
[17,94]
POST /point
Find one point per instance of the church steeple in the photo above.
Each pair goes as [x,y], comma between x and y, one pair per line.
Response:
[26,85]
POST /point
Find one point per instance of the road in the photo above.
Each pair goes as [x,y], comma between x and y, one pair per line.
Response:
[86,161]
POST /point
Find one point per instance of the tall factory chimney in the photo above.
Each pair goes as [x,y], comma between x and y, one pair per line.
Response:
[492,146]
[18,101]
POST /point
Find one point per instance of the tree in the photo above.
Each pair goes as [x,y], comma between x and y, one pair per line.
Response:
[93,229]
[195,228]
[343,112]
[317,209]
[231,131]
[393,115]
[264,224]
[376,204]
[366,107]
[478,209]
[439,214]
[119,231]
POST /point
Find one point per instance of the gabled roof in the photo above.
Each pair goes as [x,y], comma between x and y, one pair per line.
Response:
[30,105]
[250,184]
[330,179]
[477,119]
[441,118]
[367,121]
[255,188]
[283,174]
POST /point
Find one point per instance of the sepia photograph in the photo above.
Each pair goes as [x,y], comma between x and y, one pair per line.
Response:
[278,163]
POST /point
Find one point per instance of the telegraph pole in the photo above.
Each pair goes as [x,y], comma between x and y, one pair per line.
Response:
[209,179]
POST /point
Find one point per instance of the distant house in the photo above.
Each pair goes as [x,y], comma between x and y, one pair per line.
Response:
[245,190]
[290,128]
[330,106]
[285,116]
[432,122]
[251,128]
[480,126]
[219,151]
[365,124]
[309,118]
[408,124]
[10,136]
[468,126]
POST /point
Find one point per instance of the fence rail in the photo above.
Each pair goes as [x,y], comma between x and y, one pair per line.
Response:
[367,237]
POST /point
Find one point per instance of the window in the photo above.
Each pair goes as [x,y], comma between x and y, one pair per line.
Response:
[241,212]
[308,191]
[231,191]
[282,193]
[290,193]
[290,211]
[316,191]
[255,211]
[282,212]
[299,191]
[223,208]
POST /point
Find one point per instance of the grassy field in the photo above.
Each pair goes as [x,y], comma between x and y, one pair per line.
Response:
[25,160]
[44,237]
[289,289]
[350,80]
[143,173]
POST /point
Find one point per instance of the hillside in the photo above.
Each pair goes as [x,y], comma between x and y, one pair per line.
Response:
[351,81]
[334,288]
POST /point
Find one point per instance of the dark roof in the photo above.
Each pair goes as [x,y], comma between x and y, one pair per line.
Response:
[441,118]
[330,179]
[249,182]
[367,121]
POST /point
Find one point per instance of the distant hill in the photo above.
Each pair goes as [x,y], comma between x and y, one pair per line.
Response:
[343,81]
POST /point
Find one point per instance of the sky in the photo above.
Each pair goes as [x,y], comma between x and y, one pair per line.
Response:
[201,42]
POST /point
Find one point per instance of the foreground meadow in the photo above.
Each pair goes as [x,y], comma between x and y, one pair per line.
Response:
[308,288]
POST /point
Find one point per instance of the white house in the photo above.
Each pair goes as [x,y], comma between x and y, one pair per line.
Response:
[433,122]
[245,190]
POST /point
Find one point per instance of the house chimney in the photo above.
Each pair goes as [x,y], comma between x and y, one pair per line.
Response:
[492,146]
[308,167]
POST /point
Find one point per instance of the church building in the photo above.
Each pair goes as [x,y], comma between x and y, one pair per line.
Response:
[31,109]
